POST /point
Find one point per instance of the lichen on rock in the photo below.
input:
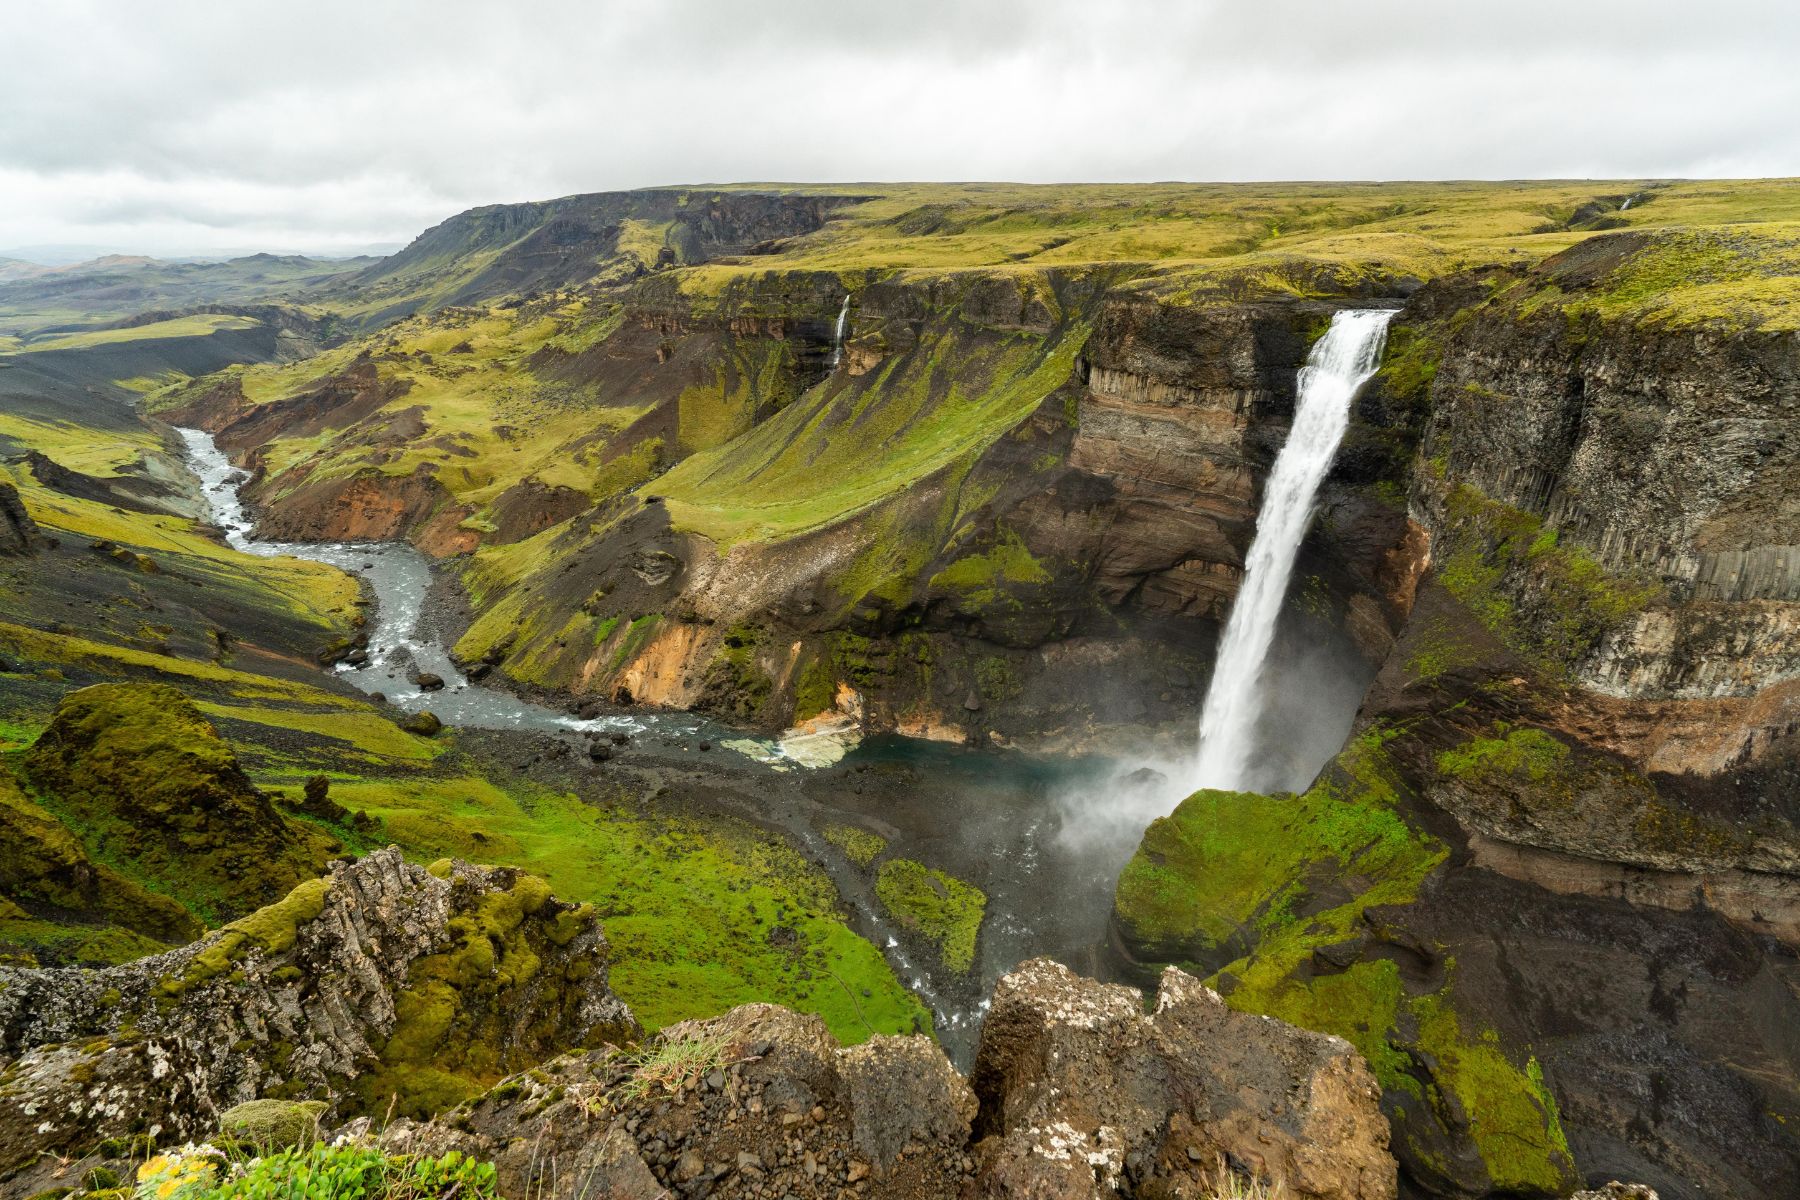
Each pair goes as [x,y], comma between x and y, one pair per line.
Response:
[340,993]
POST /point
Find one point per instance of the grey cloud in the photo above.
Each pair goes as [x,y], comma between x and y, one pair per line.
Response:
[189,124]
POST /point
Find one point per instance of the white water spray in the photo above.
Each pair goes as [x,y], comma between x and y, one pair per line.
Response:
[837,338]
[1339,364]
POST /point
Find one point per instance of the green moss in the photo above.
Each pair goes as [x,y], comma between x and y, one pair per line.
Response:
[1551,602]
[862,847]
[1513,1119]
[944,909]
[689,906]
[816,691]
[981,577]
[1528,754]
[156,794]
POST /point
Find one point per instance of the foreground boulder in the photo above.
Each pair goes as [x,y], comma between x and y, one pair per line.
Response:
[760,1101]
[384,985]
[1077,1093]
[1083,1094]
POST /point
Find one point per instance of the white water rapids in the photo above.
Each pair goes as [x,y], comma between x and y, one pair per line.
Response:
[1339,363]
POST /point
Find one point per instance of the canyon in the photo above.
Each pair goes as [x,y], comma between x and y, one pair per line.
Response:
[888,536]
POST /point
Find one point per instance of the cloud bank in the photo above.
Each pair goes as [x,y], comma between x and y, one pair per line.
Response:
[192,127]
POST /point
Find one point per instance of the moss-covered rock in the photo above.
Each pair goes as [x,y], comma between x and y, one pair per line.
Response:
[382,985]
[273,1124]
[943,909]
[1281,900]
[152,791]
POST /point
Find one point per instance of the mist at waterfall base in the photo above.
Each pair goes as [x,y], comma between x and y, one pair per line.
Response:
[1285,688]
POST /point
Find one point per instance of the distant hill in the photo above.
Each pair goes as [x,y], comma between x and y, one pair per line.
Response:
[35,299]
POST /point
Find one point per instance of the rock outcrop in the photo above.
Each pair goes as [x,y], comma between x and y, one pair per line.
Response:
[1084,1095]
[383,984]
[1077,1093]
[19,534]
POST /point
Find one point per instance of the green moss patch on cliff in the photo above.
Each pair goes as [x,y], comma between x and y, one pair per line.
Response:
[1229,869]
[855,440]
[43,865]
[982,576]
[1551,602]
[945,910]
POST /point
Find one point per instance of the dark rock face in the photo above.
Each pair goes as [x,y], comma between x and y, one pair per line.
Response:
[19,534]
[1077,1094]
[374,982]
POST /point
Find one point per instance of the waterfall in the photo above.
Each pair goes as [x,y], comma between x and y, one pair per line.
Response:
[1627,203]
[1338,365]
[837,338]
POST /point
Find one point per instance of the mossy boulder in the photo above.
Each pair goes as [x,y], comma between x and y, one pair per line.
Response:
[383,986]
[150,788]
[943,909]
[272,1124]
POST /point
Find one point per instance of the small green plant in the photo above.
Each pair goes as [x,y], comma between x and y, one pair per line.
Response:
[354,1171]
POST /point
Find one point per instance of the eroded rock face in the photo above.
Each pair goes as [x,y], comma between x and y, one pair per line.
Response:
[1077,1093]
[1084,1095]
[380,983]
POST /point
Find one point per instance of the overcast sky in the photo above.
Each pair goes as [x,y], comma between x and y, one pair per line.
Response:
[174,127]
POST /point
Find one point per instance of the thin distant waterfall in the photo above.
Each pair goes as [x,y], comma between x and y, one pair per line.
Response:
[1627,203]
[1339,364]
[837,338]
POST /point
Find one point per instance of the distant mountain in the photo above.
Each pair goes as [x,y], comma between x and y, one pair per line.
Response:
[34,297]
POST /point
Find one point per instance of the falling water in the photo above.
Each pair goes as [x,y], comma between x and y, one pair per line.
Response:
[837,338]
[1627,203]
[1337,366]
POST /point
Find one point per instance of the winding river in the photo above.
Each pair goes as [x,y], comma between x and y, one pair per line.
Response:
[399,578]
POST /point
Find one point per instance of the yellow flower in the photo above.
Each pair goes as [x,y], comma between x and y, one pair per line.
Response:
[167,1188]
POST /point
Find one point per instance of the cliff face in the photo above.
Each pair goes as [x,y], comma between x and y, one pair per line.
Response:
[1556,870]
[1619,498]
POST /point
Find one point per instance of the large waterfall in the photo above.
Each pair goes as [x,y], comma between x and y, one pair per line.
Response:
[1339,364]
